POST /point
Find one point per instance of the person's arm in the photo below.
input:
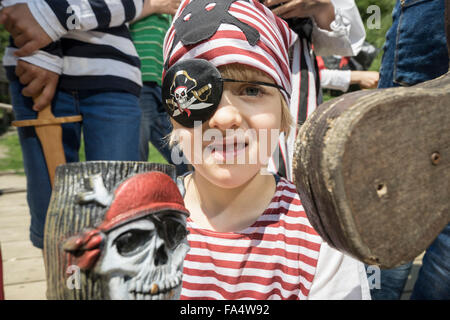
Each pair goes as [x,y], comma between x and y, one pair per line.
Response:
[347,34]
[37,23]
[339,277]
[335,79]
[342,79]
[338,27]
[159,7]
[365,79]
[322,11]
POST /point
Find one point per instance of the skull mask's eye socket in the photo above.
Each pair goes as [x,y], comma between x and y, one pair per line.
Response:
[173,229]
[133,241]
[175,233]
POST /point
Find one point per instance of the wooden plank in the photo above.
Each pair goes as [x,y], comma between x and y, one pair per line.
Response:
[20,250]
[17,271]
[26,291]
[14,234]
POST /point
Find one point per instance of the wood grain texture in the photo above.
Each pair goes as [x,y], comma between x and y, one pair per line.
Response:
[367,173]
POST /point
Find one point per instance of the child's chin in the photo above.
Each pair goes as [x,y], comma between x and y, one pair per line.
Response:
[232,176]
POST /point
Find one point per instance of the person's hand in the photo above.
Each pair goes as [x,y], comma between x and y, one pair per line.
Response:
[297,8]
[160,6]
[28,35]
[39,83]
[365,79]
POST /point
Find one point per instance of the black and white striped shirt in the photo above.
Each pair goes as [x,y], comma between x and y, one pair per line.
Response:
[92,47]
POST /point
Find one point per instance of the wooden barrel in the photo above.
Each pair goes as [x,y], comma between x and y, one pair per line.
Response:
[66,217]
[373,169]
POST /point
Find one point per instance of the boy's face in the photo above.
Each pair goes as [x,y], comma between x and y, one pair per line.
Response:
[237,141]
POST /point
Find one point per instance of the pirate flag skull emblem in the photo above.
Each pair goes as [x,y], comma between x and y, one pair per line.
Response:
[192,91]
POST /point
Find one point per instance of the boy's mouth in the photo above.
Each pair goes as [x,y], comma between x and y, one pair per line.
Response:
[228,148]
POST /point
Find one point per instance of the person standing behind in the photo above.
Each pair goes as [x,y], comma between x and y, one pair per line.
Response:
[148,35]
[77,56]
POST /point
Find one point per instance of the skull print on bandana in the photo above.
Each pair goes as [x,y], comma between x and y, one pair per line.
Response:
[209,15]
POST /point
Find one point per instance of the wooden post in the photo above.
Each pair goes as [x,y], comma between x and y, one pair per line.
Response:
[372,169]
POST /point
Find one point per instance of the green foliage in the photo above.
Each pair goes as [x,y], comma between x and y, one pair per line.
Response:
[377,36]
[4,40]
[10,153]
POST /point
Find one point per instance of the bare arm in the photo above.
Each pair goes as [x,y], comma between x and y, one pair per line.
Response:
[159,7]
[321,10]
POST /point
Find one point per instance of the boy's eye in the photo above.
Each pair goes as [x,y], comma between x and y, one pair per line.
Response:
[252,91]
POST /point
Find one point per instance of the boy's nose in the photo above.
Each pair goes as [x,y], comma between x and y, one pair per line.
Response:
[227,116]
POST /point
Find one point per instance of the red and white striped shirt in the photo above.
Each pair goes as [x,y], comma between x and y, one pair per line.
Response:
[275,258]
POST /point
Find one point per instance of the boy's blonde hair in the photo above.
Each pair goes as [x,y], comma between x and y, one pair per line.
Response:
[243,72]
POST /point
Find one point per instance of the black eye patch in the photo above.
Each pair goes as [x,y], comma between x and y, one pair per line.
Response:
[192,90]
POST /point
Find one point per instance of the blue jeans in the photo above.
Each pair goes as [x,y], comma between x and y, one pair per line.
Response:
[416,45]
[433,281]
[155,125]
[392,283]
[110,130]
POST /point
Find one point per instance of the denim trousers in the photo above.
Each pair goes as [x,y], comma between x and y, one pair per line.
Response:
[416,51]
[416,45]
[110,130]
[156,126]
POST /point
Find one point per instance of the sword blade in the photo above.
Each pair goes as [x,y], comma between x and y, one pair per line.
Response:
[50,137]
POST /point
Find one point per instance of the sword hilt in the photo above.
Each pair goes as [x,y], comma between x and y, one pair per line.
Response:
[49,131]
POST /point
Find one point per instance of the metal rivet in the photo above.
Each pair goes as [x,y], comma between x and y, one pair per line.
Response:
[435,158]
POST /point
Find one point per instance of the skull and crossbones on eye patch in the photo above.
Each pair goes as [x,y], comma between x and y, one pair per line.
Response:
[184,94]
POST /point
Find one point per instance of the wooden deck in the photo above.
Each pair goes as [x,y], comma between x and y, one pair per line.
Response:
[23,265]
[24,273]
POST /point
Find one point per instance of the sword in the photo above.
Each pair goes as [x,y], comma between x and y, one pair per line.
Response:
[49,131]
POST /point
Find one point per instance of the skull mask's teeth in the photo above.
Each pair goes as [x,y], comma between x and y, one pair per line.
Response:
[154,289]
[157,290]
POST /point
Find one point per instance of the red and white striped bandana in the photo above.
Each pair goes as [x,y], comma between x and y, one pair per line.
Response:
[222,32]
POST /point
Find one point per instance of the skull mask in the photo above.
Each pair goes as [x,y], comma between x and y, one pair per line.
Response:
[140,262]
[141,243]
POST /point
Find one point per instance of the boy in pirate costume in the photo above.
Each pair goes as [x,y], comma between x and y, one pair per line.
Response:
[229,77]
